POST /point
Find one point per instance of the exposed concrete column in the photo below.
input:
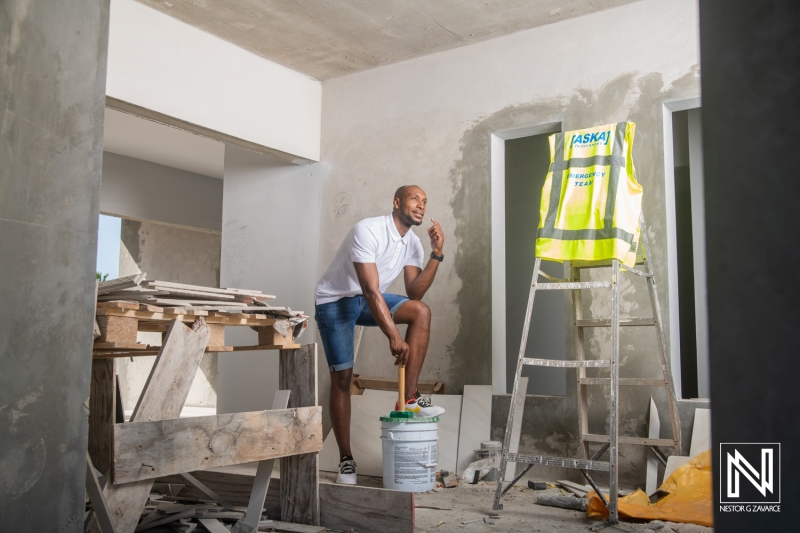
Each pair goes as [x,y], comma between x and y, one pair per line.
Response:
[52,85]
[750,54]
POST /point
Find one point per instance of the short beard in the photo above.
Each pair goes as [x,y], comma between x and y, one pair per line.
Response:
[407,219]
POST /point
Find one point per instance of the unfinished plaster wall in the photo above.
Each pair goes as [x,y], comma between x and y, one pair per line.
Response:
[270,221]
[428,121]
[52,80]
[180,255]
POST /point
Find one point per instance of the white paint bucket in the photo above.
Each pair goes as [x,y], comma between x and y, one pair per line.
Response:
[410,453]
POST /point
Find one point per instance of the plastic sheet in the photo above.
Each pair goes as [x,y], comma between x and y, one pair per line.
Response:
[690,498]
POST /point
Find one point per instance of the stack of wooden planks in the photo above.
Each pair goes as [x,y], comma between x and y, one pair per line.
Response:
[166,293]
[131,304]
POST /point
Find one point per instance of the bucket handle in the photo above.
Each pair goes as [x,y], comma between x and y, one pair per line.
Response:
[420,463]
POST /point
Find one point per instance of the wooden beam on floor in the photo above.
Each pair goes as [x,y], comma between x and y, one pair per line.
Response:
[366,509]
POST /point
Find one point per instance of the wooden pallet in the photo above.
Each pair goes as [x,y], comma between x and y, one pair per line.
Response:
[119,322]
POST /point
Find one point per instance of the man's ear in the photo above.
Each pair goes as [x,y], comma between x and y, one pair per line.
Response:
[396,202]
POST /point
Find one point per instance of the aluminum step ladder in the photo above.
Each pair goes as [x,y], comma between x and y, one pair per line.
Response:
[611,441]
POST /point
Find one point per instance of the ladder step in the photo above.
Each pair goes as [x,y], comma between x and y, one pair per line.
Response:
[642,441]
[636,271]
[651,382]
[573,285]
[564,462]
[592,363]
[599,264]
[606,322]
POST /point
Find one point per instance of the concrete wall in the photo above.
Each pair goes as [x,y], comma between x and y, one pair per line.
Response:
[52,77]
[161,64]
[137,189]
[270,227]
[429,120]
[177,254]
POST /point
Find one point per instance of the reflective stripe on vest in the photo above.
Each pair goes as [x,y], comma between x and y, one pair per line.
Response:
[591,201]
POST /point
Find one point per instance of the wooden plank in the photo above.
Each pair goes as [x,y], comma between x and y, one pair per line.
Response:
[120,283]
[287,527]
[99,505]
[173,517]
[192,293]
[269,335]
[163,397]
[147,450]
[106,354]
[425,387]
[213,525]
[119,345]
[199,485]
[300,473]
[267,347]
[366,509]
[102,412]
[171,284]
[249,523]
[220,318]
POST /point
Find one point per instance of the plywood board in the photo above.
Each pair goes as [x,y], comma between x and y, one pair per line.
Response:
[674,462]
[449,424]
[476,419]
[701,432]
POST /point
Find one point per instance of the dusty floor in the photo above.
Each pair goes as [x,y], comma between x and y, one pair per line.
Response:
[462,510]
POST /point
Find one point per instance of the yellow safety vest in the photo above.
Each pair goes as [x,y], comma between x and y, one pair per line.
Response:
[590,200]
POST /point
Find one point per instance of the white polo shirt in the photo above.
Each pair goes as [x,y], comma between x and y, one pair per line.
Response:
[372,240]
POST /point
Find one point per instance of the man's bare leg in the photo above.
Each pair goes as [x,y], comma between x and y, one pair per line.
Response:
[418,317]
[340,409]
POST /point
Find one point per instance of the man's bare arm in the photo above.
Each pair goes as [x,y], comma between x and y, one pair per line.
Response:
[370,285]
[419,281]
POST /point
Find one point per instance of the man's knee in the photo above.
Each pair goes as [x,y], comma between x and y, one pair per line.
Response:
[419,312]
[340,380]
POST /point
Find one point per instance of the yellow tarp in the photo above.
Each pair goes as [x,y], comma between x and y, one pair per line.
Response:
[690,498]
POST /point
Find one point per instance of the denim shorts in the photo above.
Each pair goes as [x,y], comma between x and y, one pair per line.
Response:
[336,322]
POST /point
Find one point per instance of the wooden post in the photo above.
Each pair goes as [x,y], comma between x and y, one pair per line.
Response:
[102,413]
[300,473]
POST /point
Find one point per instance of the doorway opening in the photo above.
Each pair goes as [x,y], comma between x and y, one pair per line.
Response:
[520,161]
[686,236]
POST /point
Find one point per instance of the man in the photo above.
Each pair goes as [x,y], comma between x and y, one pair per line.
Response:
[352,292]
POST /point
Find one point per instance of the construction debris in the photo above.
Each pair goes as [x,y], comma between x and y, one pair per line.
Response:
[564,502]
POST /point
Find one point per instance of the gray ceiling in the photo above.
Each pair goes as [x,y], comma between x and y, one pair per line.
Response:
[328,38]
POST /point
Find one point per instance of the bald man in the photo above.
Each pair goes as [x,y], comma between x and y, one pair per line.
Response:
[351,292]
